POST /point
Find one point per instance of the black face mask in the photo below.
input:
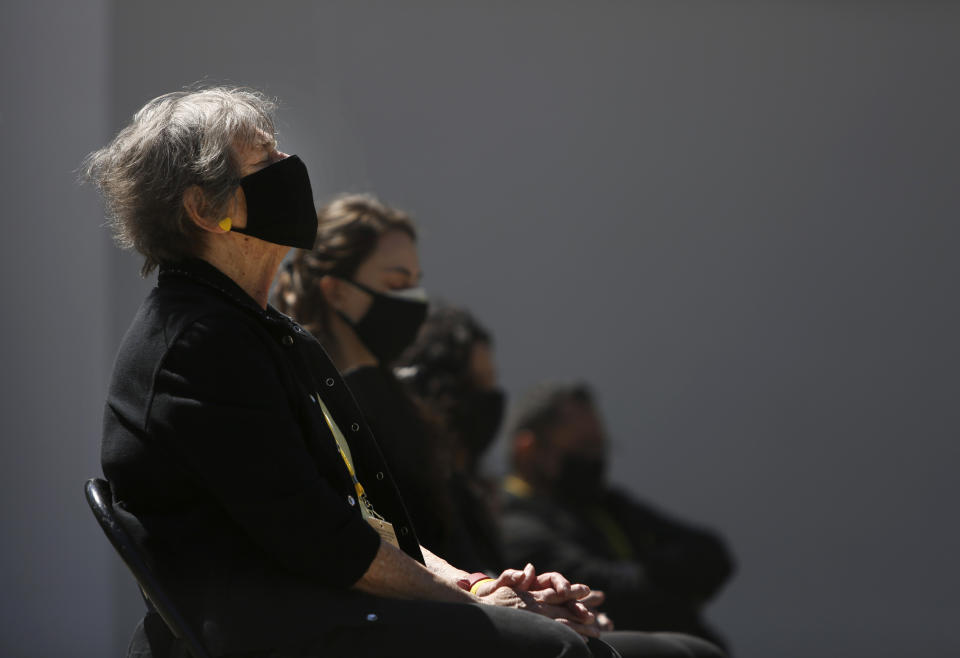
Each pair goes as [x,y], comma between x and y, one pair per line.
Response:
[476,419]
[280,204]
[392,321]
[581,479]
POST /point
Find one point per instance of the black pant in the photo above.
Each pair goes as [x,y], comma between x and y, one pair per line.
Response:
[425,628]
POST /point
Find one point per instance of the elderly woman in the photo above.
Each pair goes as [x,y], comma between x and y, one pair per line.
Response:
[238,460]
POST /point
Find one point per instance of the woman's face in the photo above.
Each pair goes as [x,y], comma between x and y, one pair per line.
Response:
[393,265]
[252,158]
[477,412]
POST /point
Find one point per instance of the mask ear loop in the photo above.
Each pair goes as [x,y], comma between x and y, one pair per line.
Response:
[356,284]
[343,316]
[414,294]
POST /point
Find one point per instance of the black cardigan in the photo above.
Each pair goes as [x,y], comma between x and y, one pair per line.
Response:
[453,520]
[224,470]
[406,442]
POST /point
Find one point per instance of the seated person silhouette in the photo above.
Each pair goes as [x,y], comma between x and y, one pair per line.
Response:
[450,371]
[560,513]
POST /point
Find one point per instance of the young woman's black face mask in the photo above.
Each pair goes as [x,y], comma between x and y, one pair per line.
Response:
[477,417]
[392,321]
[280,204]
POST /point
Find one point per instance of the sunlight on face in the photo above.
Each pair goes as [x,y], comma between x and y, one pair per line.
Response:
[393,265]
[256,155]
[252,158]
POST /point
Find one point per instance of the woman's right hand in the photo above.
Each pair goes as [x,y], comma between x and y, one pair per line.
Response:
[593,601]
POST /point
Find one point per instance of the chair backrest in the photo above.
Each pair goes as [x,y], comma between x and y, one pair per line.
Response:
[100,501]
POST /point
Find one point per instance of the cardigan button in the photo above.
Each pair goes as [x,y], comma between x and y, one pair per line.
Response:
[372,617]
[329,381]
[355,427]
[379,475]
[404,531]
[287,340]
[351,500]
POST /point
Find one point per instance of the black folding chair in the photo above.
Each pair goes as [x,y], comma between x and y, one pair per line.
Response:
[99,499]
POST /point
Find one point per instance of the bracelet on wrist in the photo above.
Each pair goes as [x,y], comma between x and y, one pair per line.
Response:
[472,580]
[476,585]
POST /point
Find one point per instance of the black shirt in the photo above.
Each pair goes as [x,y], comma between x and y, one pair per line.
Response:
[224,470]
[452,518]
[657,572]
[409,446]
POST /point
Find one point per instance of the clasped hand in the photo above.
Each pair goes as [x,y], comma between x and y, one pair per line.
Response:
[548,594]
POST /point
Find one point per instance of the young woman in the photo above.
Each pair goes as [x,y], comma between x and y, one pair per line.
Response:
[358,292]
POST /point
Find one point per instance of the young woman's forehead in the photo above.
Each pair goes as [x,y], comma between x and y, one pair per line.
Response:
[396,251]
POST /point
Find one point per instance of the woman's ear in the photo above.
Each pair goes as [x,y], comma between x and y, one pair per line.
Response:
[332,289]
[523,452]
[197,208]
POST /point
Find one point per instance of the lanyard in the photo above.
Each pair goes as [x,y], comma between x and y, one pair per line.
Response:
[366,508]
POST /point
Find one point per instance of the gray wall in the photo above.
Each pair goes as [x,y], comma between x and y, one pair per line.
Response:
[736,220]
[57,571]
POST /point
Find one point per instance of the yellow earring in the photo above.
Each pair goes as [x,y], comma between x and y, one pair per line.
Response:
[226,224]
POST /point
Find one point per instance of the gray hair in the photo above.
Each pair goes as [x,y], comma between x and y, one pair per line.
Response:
[175,141]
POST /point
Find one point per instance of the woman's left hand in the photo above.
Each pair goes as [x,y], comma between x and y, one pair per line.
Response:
[551,588]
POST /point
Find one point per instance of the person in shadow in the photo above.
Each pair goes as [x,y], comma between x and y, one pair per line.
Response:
[559,512]
[450,371]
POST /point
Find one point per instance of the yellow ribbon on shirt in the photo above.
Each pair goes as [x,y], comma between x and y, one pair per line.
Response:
[366,508]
